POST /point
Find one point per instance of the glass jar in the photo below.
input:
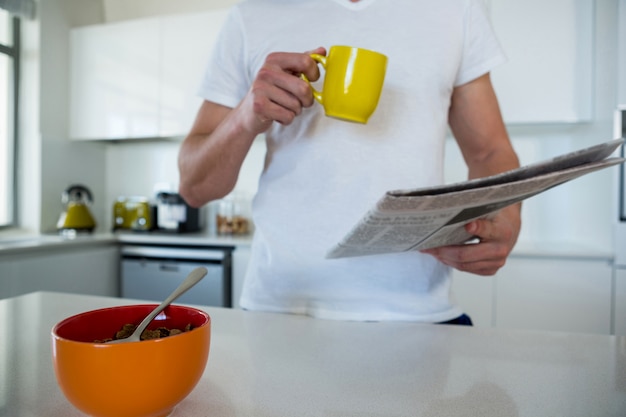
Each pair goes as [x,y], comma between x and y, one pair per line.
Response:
[232,216]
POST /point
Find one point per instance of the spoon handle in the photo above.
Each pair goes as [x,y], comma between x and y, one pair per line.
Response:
[192,279]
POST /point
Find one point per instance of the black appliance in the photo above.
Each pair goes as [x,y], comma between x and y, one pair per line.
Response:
[175,215]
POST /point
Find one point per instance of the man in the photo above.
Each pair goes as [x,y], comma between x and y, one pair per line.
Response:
[321,175]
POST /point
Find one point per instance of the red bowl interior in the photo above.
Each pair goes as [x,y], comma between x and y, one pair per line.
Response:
[104,323]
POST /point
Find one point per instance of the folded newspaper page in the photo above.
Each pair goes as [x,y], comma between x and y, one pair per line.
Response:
[405,220]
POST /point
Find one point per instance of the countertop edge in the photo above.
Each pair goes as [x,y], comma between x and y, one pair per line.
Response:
[26,243]
[22,243]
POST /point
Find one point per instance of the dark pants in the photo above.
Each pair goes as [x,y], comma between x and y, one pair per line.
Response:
[463,320]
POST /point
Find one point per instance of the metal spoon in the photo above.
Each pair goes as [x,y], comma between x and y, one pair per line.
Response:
[192,279]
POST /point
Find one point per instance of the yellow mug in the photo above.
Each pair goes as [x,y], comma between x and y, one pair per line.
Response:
[353,81]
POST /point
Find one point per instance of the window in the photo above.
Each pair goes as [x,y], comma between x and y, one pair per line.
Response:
[9,70]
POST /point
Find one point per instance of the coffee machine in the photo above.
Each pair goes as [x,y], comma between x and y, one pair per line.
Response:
[175,215]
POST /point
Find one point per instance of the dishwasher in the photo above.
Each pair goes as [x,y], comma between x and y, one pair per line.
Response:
[153,272]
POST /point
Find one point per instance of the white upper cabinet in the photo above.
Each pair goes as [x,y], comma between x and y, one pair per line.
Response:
[621,53]
[114,88]
[138,78]
[548,77]
[186,44]
[619,300]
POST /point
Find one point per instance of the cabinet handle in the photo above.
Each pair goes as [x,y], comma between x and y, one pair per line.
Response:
[168,268]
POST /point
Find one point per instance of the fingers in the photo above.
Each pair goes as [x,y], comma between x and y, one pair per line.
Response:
[279,96]
[481,258]
[485,230]
[496,238]
[278,93]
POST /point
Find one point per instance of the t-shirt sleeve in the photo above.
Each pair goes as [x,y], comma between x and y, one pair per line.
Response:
[225,79]
[481,50]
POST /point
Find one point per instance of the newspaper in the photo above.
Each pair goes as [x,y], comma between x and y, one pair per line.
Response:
[405,220]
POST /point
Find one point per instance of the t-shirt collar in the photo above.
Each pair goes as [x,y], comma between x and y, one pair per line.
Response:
[361,4]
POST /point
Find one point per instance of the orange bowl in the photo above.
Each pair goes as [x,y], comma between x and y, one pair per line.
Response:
[136,379]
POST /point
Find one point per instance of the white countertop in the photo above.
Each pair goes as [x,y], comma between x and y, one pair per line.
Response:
[10,244]
[273,365]
[165,238]
[22,242]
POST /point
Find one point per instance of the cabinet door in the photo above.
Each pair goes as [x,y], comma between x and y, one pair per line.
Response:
[114,89]
[548,77]
[474,293]
[619,313]
[186,44]
[154,280]
[92,271]
[241,258]
[555,294]
[8,270]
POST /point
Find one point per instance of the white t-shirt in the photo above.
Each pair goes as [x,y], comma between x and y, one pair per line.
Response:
[321,175]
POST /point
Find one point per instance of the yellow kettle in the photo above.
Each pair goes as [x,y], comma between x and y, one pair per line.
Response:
[76,216]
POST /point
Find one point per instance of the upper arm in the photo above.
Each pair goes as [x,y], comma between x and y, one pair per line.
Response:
[477,125]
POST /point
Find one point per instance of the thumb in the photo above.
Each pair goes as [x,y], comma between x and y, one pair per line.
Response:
[320,50]
[481,228]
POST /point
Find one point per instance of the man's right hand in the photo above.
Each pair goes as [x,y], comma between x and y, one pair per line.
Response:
[278,93]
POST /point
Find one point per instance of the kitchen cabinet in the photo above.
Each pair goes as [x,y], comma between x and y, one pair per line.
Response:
[138,78]
[545,293]
[619,314]
[114,87]
[241,257]
[93,269]
[548,77]
[475,294]
[567,294]
[186,43]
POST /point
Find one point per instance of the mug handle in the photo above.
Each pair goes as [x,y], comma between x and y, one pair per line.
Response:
[321,59]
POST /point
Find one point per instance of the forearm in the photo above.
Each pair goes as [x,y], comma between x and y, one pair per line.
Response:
[209,163]
[496,160]
[477,124]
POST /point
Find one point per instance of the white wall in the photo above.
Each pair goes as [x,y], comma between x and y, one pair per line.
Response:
[62,162]
[29,147]
[48,161]
[622,53]
[134,169]
[116,10]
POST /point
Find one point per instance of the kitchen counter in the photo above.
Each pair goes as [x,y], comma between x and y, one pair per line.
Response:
[20,242]
[163,238]
[264,365]
[23,243]
[10,243]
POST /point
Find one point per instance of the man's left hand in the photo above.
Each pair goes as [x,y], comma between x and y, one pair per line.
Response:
[497,236]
